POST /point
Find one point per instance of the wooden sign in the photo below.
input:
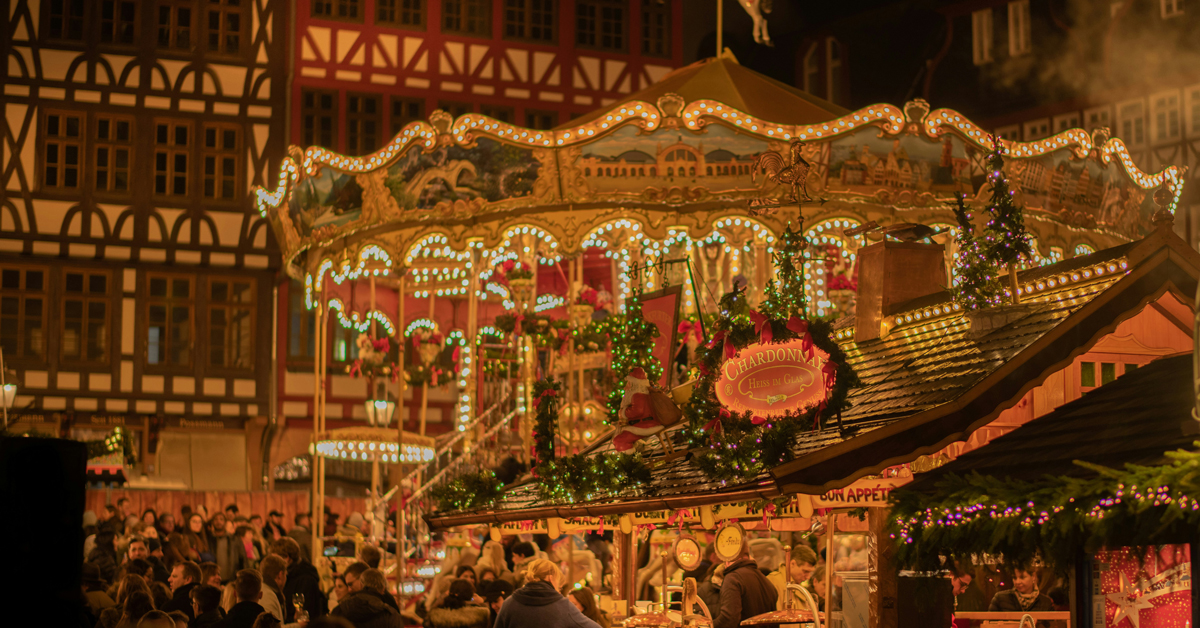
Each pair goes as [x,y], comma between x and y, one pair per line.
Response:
[687,552]
[661,309]
[730,541]
[771,379]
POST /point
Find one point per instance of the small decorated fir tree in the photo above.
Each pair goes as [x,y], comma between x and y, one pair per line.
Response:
[1007,241]
[977,286]
[785,296]
[632,346]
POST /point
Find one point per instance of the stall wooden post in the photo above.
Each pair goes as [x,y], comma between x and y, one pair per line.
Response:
[881,571]
[425,386]
[624,583]
[401,564]
[316,424]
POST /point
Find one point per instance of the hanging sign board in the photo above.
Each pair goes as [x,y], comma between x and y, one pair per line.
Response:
[661,309]
[687,552]
[730,541]
[771,379]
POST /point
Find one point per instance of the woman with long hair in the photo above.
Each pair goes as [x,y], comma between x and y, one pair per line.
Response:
[585,600]
[129,586]
[191,542]
[150,517]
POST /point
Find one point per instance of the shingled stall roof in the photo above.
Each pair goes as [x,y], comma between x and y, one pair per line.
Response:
[926,384]
[929,382]
[1132,420]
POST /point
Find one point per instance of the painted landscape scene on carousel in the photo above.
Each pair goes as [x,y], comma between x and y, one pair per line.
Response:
[718,159]
[486,172]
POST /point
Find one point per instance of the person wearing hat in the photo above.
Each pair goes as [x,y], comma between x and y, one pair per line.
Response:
[274,528]
[93,590]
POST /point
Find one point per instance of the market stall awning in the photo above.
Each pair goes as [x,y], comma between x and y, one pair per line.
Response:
[726,81]
[1132,420]
[930,383]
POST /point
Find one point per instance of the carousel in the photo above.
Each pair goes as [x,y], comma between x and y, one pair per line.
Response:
[519,268]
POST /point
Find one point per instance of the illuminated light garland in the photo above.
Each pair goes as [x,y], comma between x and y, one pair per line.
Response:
[365,254]
[548,302]
[420,323]
[370,443]
[506,247]
[468,491]
[361,324]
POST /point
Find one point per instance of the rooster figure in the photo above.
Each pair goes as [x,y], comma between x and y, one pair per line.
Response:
[791,171]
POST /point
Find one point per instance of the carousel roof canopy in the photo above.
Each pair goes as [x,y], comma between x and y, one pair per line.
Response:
[930,382]
[725,80]
[1132,420]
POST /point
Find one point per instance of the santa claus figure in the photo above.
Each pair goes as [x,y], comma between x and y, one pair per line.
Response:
[644,412]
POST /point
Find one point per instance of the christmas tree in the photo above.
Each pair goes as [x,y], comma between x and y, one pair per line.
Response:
[632,346]
[1007,241]
[785,296]
[977,286]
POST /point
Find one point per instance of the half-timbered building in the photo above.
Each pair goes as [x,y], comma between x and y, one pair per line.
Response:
[136,281]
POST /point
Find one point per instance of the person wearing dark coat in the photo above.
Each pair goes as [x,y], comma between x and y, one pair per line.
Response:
[365,610]
[710,589]
[248,587]
[104,555]
[458,610]
[208,606]
[302,578]
[1024,597]
[745,592]
[539,603]
[184,577]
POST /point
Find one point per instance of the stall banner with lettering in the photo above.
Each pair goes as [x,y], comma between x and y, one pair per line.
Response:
[772,379]
[661,309]
[1151,591]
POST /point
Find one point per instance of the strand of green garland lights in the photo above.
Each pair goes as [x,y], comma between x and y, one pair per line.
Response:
[468,491]
[632,346]
[1054,519]
[546,397]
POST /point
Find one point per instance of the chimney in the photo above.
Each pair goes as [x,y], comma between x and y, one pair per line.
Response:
[890,273]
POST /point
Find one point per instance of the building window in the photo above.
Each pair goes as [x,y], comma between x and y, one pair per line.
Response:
[1010,133]
[405,110]
[656,28]
[64,19]
[499,112]
[231,323]
[364,115]
[600,24]
[1066,122]
[454,108]
[175,25]
[982,36]
[117,21]
[541,120]
[22,312]
[409,13]
[1018,28]
[833,69]
[345,342]
[812,70]
[1037,129]
[225,26]
[222,148]
[319,118]
[1096,118]
[1087,374]
[85,316]
[529,19]
[172,147]
[1133,123]
[1194,106]
[343,9]
[1171,8]
[1166,117]
[302,324]
[169,315]
[467,17]
[62,150]
[114,150]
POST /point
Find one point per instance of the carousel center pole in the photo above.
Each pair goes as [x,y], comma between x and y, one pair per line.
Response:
[425,386]
[401,550]
[375,485]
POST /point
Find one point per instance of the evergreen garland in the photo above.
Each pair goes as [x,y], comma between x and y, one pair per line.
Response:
[632,346]
[546,393]
[976,285]
[584,477]
[1055,519]
[731,447]
[1007,241]
[468,491]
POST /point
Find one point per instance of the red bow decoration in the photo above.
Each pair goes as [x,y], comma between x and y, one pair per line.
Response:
[758,420]
[434,375]
[703,369]
[687,328]
[527,525]
[768,512]
[549,392]
[456,354]
[829,370]
[356,368]
[800,327]
[762,325]
[713,427]
[717,337]
[730,350]
[679,516]
[517,325]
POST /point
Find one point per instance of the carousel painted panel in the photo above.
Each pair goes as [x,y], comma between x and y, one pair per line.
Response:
[628,162]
